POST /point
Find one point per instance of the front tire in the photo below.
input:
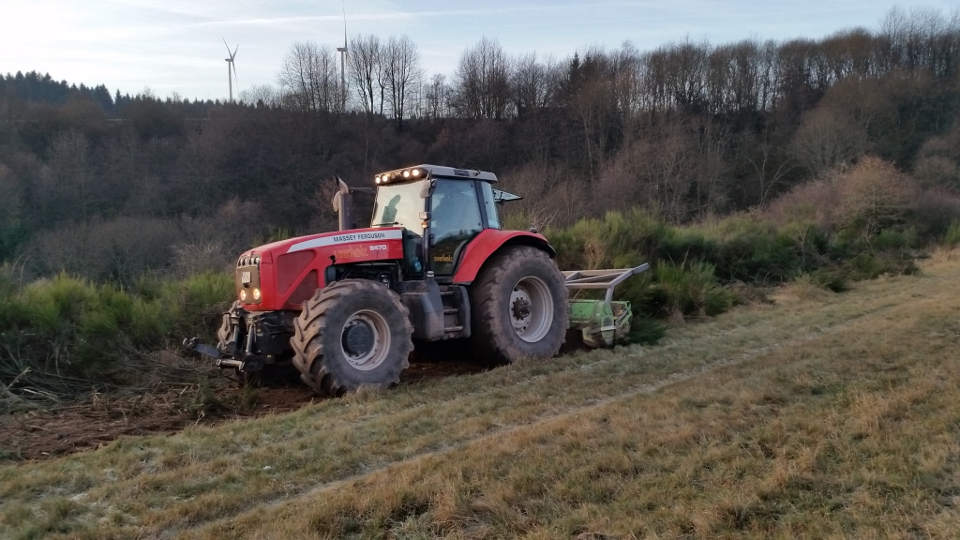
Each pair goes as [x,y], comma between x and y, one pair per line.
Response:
[352,333]
[519,306]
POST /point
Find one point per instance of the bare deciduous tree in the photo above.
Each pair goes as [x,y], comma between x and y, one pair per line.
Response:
[827,138]
[365,58]
[310,79]
[483,81]
[437,97]
[532,87]
[260,96]
[401,68]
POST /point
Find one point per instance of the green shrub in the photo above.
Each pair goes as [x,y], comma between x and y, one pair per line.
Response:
[895,239]
[751,250]
[871,265]
[697,267]
[198,301]
[863,266]
[952,236]
[514,221]
[149,319]
[622,238]
[718,300]
[75,328]
[679,245]
[834,279]
[690,289]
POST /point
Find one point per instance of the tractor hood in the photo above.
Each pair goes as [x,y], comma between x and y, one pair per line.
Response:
[327,239]
[288,272]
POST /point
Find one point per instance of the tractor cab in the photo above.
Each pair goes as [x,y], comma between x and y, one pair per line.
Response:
[441,209]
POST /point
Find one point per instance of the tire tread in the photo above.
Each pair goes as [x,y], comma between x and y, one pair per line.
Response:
[309,327]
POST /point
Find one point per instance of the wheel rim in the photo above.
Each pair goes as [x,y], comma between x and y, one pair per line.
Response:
[531,309]
[365,340]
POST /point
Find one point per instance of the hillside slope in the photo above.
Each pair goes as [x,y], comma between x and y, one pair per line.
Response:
[823,414]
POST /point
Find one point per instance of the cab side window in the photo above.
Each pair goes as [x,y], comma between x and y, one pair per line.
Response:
[454,220]
[490,205]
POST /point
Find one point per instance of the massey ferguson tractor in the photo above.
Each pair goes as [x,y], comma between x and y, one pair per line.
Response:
[346,307]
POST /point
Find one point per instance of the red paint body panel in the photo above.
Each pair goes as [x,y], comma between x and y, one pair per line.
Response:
[486,244]
[286,264]
[283,267]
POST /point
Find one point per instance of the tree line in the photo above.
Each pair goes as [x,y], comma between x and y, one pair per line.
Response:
[385,76]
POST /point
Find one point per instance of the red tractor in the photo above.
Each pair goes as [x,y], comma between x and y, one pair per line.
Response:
[345,307]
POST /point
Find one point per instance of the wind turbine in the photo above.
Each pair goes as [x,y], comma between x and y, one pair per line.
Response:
[231,68]
[343,62]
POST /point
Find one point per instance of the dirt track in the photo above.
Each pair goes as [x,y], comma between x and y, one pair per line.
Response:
[43,434]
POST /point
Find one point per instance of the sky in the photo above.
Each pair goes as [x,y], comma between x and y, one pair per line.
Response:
[175,46]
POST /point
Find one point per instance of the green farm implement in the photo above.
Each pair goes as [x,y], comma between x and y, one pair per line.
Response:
[602,323]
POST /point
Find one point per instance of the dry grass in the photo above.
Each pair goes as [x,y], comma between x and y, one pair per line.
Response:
[804,288]
[832,416]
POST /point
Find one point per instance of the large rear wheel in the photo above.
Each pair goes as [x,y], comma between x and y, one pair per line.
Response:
[352,333]
[519,306]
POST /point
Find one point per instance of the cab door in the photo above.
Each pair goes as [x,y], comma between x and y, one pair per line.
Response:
[455,218]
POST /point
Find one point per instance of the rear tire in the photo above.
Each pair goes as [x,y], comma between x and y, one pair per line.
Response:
[519,305]
[352,333]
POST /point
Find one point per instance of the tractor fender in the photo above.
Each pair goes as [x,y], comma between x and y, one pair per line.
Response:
[488,243]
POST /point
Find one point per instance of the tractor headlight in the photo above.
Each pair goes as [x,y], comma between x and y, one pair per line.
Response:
[256,294]
[243,295]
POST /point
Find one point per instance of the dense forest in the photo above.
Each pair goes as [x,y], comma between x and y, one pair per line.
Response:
[111,186]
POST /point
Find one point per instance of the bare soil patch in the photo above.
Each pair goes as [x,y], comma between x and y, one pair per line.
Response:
[40,434]
[104,417]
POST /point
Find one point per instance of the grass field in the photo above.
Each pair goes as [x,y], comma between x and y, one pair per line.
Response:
[819,415]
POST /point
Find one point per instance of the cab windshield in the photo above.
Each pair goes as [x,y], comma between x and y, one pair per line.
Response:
[399,205]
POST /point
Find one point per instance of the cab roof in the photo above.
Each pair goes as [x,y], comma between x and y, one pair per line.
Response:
[433,171]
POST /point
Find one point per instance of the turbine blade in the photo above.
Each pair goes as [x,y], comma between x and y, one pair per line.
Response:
[225,45]
[234,51]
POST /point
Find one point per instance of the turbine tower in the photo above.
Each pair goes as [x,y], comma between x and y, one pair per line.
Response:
[231,68]
[343,62]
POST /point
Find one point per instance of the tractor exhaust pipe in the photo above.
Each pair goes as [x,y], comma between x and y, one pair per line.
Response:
[343,205]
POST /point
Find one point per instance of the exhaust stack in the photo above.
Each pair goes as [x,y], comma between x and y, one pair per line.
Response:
[343,205]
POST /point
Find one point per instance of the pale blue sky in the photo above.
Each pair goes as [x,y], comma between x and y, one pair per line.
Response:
[174,45]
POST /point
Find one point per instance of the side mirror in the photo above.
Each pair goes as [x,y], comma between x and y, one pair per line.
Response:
[501,196]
